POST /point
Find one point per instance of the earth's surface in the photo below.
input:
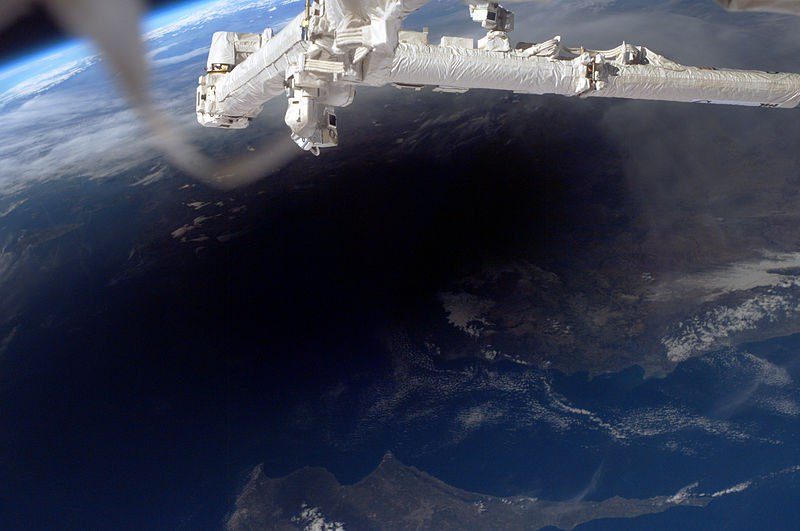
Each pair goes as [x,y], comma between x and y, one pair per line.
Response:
[567,311]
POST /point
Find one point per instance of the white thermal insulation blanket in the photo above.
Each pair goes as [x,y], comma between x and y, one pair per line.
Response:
[222,50]
[661,79]
[260,77]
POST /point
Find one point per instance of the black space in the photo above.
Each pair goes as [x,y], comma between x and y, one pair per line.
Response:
[36,28]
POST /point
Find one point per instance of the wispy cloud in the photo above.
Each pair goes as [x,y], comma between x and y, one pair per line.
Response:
[55,135]
[39,83]
[177,59]
[5,343]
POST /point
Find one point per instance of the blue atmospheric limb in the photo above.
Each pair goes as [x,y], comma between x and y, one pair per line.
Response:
[49,60]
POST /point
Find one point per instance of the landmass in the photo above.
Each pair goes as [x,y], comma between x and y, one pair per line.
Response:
[396,496]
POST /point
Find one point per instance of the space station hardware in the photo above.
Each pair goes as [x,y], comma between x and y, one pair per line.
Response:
[333,46]
[492,16]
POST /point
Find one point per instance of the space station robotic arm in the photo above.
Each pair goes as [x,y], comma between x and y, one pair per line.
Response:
[333,46]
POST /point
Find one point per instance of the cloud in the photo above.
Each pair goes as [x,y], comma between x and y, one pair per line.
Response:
[771,270]
[670,420]
[739,487]
[683,494]
[727,324]
[157,173]
[39,83]
[420,390]
[312,519]
[478,416]
[13,206]
[5,343]
[178,59]
[590,487]
[751,381]
[54,136]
